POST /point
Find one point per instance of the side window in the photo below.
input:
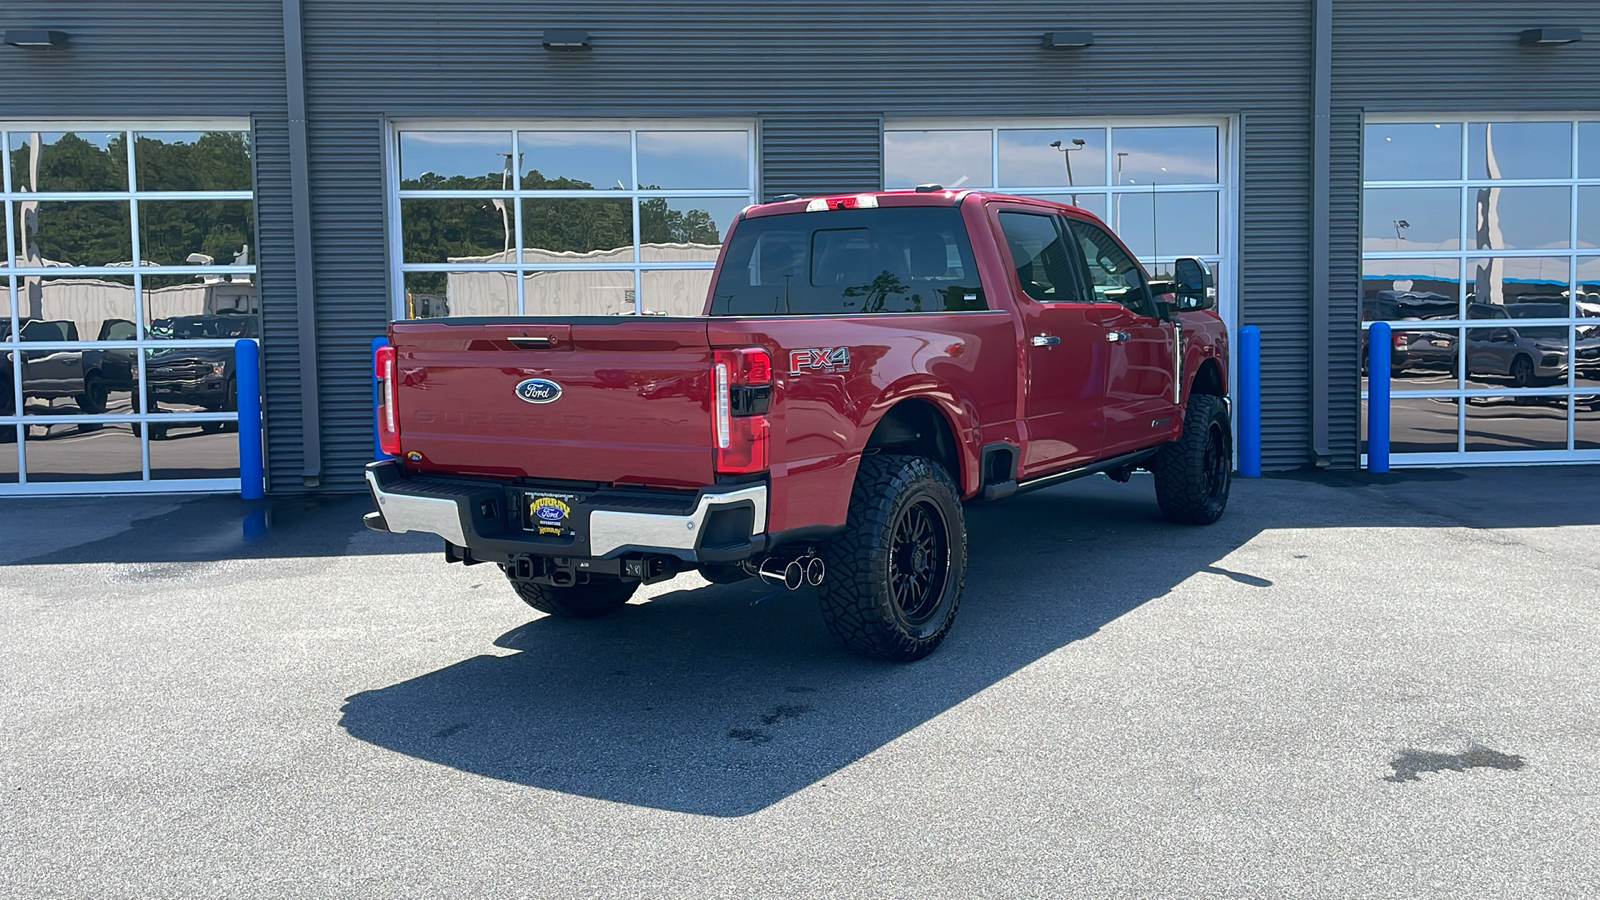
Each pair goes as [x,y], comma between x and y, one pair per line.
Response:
[1044,267]
[1113,274]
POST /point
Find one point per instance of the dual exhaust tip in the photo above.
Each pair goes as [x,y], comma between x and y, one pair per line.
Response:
[802,571]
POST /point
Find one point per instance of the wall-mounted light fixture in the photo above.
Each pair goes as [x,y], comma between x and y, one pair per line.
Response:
[1549,37]
[36,39]
[566,39]
[1067,40]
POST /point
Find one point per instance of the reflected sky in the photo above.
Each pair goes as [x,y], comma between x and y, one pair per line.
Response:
[1028,160]
[1164,155]
[1519,150]
[694,160]
[954,159]
[469,154]
[598,159]
[1411,219]
[1412,152]
[1589,149]
[1185,226]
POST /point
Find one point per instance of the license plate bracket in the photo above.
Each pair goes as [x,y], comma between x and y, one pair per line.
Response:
[549,513]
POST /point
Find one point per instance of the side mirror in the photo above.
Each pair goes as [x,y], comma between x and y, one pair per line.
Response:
[1194,285]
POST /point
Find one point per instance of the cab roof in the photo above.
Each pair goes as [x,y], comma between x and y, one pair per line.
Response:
[926,195]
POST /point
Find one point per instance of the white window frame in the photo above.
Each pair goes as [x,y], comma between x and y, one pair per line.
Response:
[1463,255]
[393,195]
[137,270]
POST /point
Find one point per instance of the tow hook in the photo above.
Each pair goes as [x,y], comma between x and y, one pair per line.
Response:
[801,570]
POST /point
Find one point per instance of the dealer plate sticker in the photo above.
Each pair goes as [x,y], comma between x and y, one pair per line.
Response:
[549,513]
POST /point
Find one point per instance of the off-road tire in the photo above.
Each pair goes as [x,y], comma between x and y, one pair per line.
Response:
[1193,474]
[94,397]
[600,595]
[876,566]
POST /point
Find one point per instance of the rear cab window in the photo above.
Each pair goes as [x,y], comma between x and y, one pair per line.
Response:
[849,262]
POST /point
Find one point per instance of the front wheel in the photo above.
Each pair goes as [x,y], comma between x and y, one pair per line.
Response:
[600,595]
[1194,473]
[896,571]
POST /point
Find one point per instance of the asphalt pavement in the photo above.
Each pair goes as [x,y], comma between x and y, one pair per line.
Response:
[1352,686]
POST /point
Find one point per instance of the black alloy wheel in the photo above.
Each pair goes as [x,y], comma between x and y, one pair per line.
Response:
[1218,464]
[919,562]
[1194,473]
[1521,372]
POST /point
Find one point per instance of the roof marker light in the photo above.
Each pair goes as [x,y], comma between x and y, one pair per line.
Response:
[817,205]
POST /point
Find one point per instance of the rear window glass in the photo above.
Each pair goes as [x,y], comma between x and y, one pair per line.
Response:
[849,262]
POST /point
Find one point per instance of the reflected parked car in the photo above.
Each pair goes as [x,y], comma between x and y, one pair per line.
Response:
[1525,356]
[195,376]
[86,376]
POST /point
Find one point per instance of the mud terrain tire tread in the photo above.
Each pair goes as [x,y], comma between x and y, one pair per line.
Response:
[1180,466]
[600,596]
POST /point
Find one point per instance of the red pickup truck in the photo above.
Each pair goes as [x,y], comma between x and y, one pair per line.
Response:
[865,364]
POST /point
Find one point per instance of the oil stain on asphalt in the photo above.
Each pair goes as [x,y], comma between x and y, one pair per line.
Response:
[1410,764]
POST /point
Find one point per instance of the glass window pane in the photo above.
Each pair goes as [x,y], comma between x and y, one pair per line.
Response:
[435,294]
[1394,289]
[59,381]
[190,379]
[1517,356]
[1589,217]
[1516,423]
[74,234]
[955,159]
[689,160]
[457,230]
[1064,157]
[1422,356]
[69,161]
[1588,286]
[1519,150]
[89,308]
[1411,220]
[1185,222]
[1040,256]
[1589,149]
[562,229]
[1586,427]
[1164,155]
[1419,424]
[5,313]
[196,232]
[83,452]
[676,292]
[578,293]
[200,307]
[1586,352]
[455,160]
[8,454]
[183,450]
[1529,287]
[683,228]
[1418,152]
[1523,218]
[192,160]
[6,251]
[576,160]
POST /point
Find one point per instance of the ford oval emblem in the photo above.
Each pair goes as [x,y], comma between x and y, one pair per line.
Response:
[538,390]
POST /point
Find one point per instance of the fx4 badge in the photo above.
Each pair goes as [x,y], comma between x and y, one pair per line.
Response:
[826,360]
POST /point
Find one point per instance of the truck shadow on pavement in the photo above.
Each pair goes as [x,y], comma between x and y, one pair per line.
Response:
[708,702]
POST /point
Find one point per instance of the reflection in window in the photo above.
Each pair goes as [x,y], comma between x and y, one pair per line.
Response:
[191,379]
[69,161]
[1589,149]
[1412,152]
[200,307]
[1421,424]
[685,228]
[1513,280]
[1589,217]
[1519,150]
[1522,218]
[577,229]
[86,308]
[8,450]
[1184,222]
[455,160]
[196,232]
[576,160]
[694,160]
[1165,155]
[1516,423]
[578,292]
[182,450]
[1586,424]
[75,452]
[676,292]
[1396,289]
[76,234]
[954,159]
[1053,157]
[436,294]
[1514,356]
[457,230]
[1411,220]
[192,161]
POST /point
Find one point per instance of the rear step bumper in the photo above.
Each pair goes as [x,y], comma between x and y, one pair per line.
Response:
[723,523]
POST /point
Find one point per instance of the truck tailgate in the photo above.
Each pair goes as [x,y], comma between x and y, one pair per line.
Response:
[630,401]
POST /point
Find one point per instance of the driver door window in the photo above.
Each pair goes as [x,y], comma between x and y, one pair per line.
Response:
[1113,275]
[1039,255]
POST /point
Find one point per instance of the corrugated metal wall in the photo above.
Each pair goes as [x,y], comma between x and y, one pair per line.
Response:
[182,58]
[1433,56]
[819,76]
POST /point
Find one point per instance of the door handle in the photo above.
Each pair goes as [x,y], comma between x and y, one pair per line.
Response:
[1044,340]
[1116,336]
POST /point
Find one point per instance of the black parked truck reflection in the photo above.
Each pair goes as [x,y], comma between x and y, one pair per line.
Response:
[184,379]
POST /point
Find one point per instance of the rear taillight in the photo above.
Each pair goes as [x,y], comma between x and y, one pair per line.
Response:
[1401,340]
[741,391]
[388,406]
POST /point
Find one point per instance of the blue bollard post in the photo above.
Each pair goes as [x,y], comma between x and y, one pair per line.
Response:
[377,398]
[1250,401]
[1378,343]
[247,381]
